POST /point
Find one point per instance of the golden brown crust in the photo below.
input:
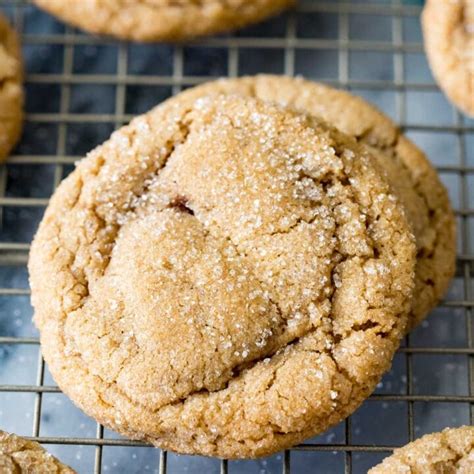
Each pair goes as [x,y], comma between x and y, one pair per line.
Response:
[448,452]
[410,173]
[225,277]
[448,30]
[18,455]
[11,94]
[162,20]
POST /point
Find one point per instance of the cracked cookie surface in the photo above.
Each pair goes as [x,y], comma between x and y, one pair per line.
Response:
[19,455]
[411,175]
[162,20]
[11,94]
[225,277]
[448,452]
[448,30]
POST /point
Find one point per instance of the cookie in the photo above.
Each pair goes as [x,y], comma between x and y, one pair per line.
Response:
[225,277]
[20,455]
[450,451]
[162,20]
[448,30]
[11,94]
[413,178]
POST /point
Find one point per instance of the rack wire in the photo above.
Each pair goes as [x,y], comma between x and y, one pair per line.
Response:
[432,383]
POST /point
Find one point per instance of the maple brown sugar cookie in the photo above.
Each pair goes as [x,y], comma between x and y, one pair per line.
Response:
[162,20]
[11,94]
[450,451]
[18,455]
[410,173]
[448,30]
[227,278]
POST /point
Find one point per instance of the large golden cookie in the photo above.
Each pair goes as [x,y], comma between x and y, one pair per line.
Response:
[222,277]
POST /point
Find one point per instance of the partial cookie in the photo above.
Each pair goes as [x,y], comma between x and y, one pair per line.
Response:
[448,452]
[11,94]
[448,30]
[162,20]
[226,278]
[19,455]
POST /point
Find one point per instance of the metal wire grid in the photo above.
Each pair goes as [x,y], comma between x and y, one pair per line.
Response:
[15,253]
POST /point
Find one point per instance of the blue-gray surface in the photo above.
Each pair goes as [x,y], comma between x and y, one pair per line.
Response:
[376,422]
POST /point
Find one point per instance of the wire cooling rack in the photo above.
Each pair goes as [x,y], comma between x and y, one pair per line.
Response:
[80,87]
